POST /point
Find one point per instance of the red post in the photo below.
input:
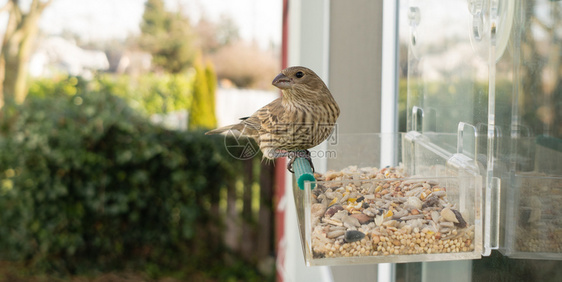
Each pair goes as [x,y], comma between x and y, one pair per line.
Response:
[281,163]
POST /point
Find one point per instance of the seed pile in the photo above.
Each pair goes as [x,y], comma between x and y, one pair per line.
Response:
[539,214]
[352,215]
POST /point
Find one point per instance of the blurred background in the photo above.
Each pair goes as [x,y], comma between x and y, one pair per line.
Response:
[105,172]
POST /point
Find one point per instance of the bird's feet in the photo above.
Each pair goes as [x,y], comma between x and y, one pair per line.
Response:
[299,154]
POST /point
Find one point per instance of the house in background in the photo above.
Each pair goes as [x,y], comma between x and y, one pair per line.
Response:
[58,55]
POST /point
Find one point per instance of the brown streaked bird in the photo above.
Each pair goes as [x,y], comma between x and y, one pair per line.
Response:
[302,118]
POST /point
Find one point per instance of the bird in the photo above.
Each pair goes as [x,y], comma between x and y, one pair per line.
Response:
[304,116]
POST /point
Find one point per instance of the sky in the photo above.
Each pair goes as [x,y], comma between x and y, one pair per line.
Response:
[258,20]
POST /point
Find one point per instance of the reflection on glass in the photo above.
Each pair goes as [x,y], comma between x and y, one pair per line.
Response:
[457,74]
[531,111]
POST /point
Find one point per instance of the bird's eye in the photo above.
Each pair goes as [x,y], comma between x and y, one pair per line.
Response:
[299,74]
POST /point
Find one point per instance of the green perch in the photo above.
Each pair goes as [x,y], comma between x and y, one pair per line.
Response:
[303,172]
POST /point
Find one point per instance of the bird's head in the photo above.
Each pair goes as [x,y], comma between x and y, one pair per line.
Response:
[298,79]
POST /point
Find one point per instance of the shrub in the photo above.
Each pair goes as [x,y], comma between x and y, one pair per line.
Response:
[148,93]
[87,183]
[202,114]
[151,93]
[63,85]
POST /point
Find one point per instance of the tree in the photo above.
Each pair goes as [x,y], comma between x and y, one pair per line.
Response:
[17,44]
[231,63]
[214,36]
[168,37]
[227,31]
[212,84]
[202,113]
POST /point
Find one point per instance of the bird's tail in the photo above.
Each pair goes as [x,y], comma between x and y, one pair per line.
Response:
[237,127]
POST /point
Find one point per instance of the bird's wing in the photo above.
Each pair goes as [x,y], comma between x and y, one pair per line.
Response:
[268,117]
[262,121]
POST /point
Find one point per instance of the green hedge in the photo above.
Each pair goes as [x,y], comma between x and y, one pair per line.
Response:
[147,93]
[89,184]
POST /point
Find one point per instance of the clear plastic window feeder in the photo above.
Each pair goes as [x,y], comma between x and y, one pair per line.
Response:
[480,166]
[415,204]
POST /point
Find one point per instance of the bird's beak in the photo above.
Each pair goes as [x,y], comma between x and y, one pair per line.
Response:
[281,81]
